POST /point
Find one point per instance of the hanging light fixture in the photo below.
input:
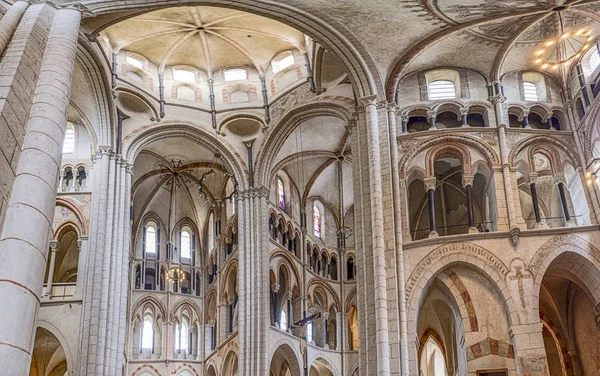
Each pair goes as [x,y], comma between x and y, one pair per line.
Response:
[565,47]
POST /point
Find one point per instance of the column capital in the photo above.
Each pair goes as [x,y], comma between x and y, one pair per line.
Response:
[430,183]
[533,177]
[468,180]
[464,111]
[559,177]
[523,115]
[369,100]
[498,98]
[275,287]
[54,245]
[85,11]
[260,192]
[431,113]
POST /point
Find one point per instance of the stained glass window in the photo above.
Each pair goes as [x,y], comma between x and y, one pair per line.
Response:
[280,194]
[317,221]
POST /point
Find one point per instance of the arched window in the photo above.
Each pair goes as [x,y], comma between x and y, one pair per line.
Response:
[283,324]
[594,61]
[147,332]
[186,243]
[69,143]
[280,194]
[184,75]
[236,74]
[284,62]
[530,91]
[150,246]
[309,332]
[182,335]
[135,62]
[442,89]
[316,221]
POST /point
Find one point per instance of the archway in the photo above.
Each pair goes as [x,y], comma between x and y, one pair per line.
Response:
[49,356]
[284,362]
[320,367]
[569,314]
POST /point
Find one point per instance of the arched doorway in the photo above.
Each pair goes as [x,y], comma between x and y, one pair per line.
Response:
[284,362]
[49,358]
[570,316]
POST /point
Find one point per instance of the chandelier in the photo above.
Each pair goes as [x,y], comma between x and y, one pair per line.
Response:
[213,180]
[175,274]
[561,49]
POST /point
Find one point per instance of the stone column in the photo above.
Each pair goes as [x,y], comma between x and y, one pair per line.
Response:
[431,115]
[326,329]
[397,199]
[539,222]
[253,286]
[530,353]
[468,184]
[525,120]
[339,317]
[463,117]
[10,21]
[375,191]
[559,180]
[23,249]
[430,185]
[53,251]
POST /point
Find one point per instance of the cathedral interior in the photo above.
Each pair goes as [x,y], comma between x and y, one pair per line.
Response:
[299,188]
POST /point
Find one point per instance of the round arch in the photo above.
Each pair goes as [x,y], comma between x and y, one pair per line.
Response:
[581,259]
[69,355]
[134,143]
[285,349]
[331,33]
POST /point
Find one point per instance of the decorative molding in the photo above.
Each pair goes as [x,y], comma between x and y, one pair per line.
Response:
[446,250]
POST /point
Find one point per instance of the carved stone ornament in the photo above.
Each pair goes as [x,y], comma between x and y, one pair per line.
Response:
[597,315]
[498,98]
[559,177]
[468,180]
[514,236]
[430,183]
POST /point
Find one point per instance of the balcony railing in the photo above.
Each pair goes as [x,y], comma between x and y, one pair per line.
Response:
[61,291]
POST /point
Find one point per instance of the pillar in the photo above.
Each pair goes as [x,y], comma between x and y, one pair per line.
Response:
[463,117]
[339,317]
[468,185]
[376,252]
[253,282]
[53,250]
[430,185]
[23,249]
[326,328]
[530,353]
[539,222]
[497,98]
[559,180]
[431,115]
[525,120]
[10,21]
